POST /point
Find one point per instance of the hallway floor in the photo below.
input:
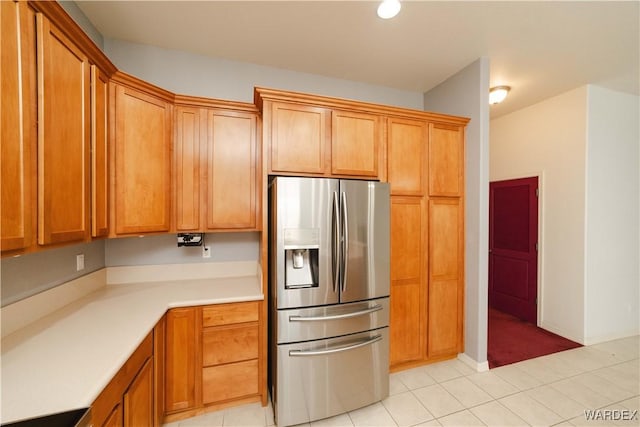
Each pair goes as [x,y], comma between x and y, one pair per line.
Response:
[558,389]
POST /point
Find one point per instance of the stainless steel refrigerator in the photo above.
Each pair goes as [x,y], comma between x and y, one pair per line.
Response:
[329,296]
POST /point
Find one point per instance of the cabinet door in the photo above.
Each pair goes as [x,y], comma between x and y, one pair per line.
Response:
[231,171]
[17,151]
[142,162]
[187,170]
[406,324]
[138,400]
[446,160]
[406,156]
[63,137]
[299,138]
[115,417]
[446,269]
[355,143]
[99,154]
[180,359]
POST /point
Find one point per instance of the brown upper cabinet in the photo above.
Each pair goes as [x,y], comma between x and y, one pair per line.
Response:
[216,175]
[141,157]
[355,143]
[308,135]
[406,156]
[17,120]
[63,137]
[298,138]
[53,120]
[446,160]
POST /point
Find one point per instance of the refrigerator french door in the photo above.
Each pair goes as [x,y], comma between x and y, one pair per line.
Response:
[329,296]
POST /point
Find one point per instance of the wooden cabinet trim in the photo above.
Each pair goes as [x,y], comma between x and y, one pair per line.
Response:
[123,79]
[60,18]
[211,103]
[261,94]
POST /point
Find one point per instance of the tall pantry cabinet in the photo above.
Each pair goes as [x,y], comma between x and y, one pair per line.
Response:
[425,163]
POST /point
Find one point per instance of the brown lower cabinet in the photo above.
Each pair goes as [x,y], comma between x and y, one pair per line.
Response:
[196,359]
[211,358]
[128,399]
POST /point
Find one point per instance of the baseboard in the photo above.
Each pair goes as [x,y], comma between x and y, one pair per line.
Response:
[610,337]
[477,366]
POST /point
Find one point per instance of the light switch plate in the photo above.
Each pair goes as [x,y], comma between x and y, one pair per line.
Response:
[206,252]
[79,262]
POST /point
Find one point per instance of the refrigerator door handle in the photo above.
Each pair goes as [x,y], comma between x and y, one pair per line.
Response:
[369,310]
[345,240]
[337,349]
[335,241]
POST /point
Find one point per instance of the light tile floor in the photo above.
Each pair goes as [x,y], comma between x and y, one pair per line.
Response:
[551,390]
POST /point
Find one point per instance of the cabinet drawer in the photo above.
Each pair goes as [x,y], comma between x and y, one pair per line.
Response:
[230,381]
[229,344]
[227,314]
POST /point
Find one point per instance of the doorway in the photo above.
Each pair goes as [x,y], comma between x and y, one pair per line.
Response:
[513,333]
[513,242]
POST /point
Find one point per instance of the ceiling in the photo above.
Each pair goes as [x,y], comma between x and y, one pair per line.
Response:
[540,49]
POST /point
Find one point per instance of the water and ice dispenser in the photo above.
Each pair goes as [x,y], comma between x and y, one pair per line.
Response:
[301,247]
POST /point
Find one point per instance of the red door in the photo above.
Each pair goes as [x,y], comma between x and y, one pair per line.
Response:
[513,255]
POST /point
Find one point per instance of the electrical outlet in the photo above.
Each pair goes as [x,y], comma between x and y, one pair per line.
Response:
[79,262]
[206,252]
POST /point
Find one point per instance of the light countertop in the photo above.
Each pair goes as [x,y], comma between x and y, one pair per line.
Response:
[65,359]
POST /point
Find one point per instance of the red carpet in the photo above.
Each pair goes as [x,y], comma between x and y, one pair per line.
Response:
[513,340]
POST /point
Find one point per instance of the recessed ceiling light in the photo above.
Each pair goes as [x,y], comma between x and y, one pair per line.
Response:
[497,94]
[389,9]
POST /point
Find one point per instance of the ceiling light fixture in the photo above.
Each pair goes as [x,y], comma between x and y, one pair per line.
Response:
[389,8]
[497,94]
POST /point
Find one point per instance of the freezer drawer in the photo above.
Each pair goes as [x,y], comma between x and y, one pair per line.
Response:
[319,379]
[305,324]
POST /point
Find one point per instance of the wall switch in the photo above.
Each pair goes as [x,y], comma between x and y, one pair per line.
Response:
[79,262]
[206,252]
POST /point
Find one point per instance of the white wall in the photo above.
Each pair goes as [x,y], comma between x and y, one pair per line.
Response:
[612,279]
[548,139]
[467,94]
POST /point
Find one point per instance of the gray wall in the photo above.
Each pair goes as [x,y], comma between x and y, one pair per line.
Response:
[163,249]
[27,275]
[467,94]
[190,74]
[81,19]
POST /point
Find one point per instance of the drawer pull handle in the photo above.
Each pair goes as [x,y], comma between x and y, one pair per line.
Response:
[370,310]
[331,350]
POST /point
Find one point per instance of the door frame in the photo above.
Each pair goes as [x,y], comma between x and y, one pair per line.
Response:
[541,221]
